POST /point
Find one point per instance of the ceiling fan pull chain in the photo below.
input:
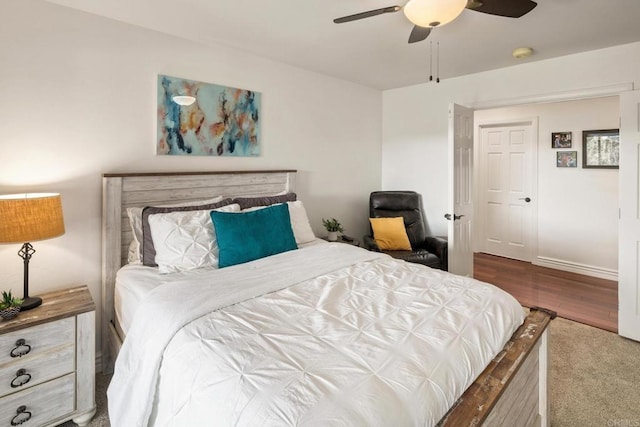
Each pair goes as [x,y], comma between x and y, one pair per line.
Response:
[430,61]
[438,63]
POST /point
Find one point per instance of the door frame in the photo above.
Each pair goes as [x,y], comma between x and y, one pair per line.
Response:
[549,97]
[479,196]
[570,95]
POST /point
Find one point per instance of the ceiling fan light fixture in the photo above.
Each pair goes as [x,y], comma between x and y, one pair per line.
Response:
[425,13]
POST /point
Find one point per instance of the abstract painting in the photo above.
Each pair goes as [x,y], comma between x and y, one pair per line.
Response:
[220,121]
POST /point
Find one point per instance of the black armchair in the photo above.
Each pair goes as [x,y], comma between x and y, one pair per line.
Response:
[428,250]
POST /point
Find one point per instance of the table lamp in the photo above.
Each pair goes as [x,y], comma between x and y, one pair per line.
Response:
[27,218]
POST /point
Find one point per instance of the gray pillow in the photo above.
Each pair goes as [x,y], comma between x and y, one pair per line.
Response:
[148,250]
[251,202]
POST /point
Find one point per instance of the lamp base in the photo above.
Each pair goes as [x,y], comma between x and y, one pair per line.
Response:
[30,302]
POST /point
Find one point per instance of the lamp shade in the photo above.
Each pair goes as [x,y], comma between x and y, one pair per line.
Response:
[30,217]
[432,13]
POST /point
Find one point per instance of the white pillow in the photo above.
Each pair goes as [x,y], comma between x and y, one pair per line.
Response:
[299,221]
[185,240]
[132,254]
[135,219]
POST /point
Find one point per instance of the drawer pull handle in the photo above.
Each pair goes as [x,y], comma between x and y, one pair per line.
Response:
[22,377]
[22,416]
[20,349]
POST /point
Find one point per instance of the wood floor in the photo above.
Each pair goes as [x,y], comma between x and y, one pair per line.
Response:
[584,299]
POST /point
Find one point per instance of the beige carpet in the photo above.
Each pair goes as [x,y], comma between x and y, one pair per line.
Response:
[594,378]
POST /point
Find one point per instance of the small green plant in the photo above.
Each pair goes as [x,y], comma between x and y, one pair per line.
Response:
[9,301]
[332,225]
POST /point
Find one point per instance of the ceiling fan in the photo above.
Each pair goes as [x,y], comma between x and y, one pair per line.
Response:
[428,14]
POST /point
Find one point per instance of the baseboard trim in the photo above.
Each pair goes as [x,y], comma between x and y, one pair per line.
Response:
[574,267]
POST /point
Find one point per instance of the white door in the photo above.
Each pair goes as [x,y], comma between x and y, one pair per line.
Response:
[506,195]
[629,225]
[460,214]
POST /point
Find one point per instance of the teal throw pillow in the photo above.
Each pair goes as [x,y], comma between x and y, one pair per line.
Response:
[247,236]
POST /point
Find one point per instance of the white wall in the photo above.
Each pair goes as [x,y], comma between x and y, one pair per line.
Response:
[577,220]
[414,148]
[78,98]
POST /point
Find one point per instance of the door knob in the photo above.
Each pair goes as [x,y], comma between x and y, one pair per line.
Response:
[455,217]
[526,199]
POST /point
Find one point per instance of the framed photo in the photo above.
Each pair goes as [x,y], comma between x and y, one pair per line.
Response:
[561,140]
[601,149]
[567,159]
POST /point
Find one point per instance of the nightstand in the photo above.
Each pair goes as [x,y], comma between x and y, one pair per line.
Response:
[47,362]
[354,242]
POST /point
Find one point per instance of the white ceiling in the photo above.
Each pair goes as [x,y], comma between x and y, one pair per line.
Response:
[374,51]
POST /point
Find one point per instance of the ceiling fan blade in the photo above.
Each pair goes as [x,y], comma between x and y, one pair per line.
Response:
[506,8]
[419,33]
[368,14]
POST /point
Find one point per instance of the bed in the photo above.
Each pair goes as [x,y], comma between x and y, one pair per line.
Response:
[199,340]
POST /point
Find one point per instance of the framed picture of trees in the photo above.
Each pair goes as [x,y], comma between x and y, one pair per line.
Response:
[601,149]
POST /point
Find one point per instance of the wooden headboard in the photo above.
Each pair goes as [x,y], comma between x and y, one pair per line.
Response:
[123,190]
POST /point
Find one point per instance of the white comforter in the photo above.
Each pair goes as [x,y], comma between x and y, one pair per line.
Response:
[325,335]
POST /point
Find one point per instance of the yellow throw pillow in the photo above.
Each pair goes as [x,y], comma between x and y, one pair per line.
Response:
[390,234]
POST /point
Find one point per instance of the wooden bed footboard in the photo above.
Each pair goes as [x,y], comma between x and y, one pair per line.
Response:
[512,390]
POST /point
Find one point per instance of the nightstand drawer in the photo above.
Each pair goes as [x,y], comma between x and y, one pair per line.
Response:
[24,373]
[37,340]
[40,404]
